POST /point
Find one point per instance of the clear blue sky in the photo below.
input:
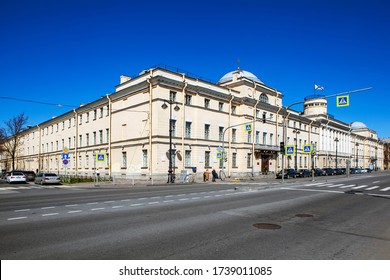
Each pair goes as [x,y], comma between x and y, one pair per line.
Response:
[72,52]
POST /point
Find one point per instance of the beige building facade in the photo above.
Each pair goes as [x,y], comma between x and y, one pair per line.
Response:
[239,115]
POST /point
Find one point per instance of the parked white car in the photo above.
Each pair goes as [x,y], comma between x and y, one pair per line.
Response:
[47,178]
[16,177]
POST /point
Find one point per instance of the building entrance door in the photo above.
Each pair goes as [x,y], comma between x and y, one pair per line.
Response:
[264,164]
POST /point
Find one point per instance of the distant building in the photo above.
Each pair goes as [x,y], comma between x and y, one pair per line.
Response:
[240,114]
[386,157]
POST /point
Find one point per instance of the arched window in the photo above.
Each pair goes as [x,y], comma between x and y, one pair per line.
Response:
[263,98]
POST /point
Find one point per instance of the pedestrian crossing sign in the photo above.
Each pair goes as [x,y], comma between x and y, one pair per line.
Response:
[307,149]
[219,155]
[342,101]
[248,127]
[100,157]
[290,150]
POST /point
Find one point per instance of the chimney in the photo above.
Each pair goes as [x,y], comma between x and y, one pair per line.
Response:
[124,79]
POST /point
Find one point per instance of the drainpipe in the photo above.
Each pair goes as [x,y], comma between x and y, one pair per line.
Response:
[276,130]
[254,129]
[76,141]
[150,117]
[183,121]
[230,139]
[109,134]
[39,148]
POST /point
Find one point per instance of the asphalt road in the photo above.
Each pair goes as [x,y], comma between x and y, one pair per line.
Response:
[332,218]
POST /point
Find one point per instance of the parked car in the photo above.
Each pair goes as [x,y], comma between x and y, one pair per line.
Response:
[16,177]
[30,175]
[353,171]
[319,172]
[47,178]
[329,171]
[339,171]
[304,173]
[288,173]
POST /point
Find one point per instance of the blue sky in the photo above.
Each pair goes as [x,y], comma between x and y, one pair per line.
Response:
[72,52]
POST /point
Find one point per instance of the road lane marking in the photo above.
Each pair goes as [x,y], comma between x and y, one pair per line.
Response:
[142,198]
[168,196]
[111,201]
[49,207]
[168,201]
[385,189]
[372,188]
[16,218]
[334,186]
[91,203]
[313,184]
[22,210]
[375,182]
[154,202]
[207,196]
[71,205]
[310,190]
[125,200]
[117,206]
[196,197]
[49,214]
[136,204]
[97,209]
[183,199]
[75,211]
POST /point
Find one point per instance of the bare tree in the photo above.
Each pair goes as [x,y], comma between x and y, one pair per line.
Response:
[11,138]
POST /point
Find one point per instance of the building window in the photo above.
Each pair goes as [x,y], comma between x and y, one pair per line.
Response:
[172,96]
[206,131]
[220,106]
[69,123]
[207,103]
[173,127]
[80,140]
[234,109]
[100,136]
[86,161]
[87,139]
[81,119]
[63,143]
[234,135]
[87,117]
[124,160]
[187,158]
[257,137]
[207,159]
[69,142]
[63,125]
[94,114]
[249,160]
[249,137]
[234,160]
[265,138]
[221,133]
[107,135]
[263,98]
[101,113]
[188,99]
[188,130]
[80,161]
[94,138]
[257,114]
[144,158]
[57,145]
[271,138]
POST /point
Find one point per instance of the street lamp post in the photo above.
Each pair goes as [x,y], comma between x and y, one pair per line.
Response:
[171,173]
[296,131]
[337,141]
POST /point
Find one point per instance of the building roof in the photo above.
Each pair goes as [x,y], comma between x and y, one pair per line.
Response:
[358,125]
[241,73]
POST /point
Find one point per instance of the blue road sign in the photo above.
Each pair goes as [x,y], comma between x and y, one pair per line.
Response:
[100,157]
[307,149]
[248,127]
[64,156]
[290,150]
[342,101]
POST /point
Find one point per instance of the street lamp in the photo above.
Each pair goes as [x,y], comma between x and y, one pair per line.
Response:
[171,173]
[296,131]
[337,141]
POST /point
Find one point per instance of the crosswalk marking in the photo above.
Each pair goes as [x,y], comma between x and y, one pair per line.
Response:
[347,186]
[372,188]
[385,189]
[338,185]
[359,187]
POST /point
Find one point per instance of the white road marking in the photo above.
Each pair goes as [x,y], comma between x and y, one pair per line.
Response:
[168,201]
[91,203]
[111,201]
[49,214]
[375,182]
[22,210]
[75,211]
[154,202]
[137,204]
[49,207]
[385,189]
[16,218]
[71,205]
[372,188]
[347,186]
[334,186]
[97,209]
[117,206]
[125,200]
[359,187]
[183,199]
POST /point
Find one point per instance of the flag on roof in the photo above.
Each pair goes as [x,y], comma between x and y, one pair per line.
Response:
[317,87]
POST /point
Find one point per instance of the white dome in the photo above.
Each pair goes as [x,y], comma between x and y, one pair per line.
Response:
[241,73]
[358,125]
